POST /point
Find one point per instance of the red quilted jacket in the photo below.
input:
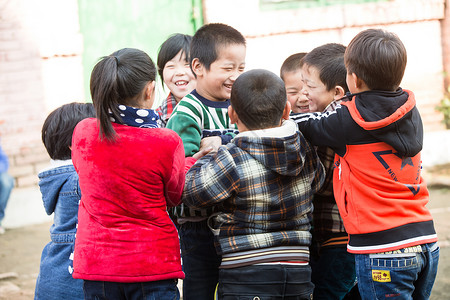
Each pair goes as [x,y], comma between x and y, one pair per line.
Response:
[124,232]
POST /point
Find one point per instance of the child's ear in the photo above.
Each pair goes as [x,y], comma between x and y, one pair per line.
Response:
[149,94]
[197,67]
[339,92]
[286,111]
[232,114]
[357,84]
[150,90]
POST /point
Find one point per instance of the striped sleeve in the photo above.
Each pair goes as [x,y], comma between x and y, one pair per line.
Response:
[189,131]
[186,121]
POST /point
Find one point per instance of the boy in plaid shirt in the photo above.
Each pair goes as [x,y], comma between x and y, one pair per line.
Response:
[263,182]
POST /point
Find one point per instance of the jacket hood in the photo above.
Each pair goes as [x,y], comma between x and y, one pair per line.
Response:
[50,183]
[390,117]
[278,149]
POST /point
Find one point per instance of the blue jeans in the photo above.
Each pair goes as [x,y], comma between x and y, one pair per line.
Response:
[404,274]
[265,282]
[333,273]
[152,290]
[200,261]
[6,185]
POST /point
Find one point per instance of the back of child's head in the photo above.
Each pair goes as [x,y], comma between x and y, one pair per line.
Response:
[292,64]
[170,48]
[377,57]
[58,128]
[259,98]
[210,38]
[119,79]
[328,59]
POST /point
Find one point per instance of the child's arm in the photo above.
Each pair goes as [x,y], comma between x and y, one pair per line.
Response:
[211,180]
[322,129]
[174,180]
[188,129]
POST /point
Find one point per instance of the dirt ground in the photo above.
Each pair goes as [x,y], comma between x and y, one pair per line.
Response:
[20,251]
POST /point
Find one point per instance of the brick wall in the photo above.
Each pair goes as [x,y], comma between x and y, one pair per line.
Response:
[21,94]
[40,69]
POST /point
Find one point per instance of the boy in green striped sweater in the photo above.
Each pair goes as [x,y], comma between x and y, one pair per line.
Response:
[217,60]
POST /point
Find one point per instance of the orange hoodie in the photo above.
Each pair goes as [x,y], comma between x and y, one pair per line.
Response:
[378,187]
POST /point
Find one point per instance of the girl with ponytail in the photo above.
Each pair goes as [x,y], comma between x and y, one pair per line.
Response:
[126,246]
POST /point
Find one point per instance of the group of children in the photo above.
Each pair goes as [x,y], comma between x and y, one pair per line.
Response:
[296,187]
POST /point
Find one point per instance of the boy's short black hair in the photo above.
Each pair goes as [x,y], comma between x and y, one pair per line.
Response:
[328,59]
[259,98]
[292,63]
[208,39]
[378,57]
[58,128]
[175,43]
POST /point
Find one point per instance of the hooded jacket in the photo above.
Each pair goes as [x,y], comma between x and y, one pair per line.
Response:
[263,183]
[378,187]
[60,193]
[124,232]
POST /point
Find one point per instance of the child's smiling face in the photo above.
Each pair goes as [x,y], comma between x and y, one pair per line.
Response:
[215,84]
[293,83]
[315,90]
[178,76]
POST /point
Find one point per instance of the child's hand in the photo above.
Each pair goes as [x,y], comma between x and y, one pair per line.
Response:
[202,152]
[212,141]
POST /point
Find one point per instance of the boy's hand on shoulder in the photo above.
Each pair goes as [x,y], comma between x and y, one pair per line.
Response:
[202,152]
[212,141]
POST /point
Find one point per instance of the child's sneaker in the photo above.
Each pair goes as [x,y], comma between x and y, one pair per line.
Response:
[2,229]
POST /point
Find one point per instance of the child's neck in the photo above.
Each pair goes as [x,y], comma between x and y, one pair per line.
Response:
[204,93]
[242,128]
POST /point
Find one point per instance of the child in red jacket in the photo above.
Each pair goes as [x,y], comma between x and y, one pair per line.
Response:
[126,245]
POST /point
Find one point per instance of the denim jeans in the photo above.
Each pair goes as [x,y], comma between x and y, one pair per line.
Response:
[333,273]
[6,185]
[200,261]
[152,290]
[409,274]
[265,282]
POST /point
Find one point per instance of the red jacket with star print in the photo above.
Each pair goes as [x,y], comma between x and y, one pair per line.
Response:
[381,196]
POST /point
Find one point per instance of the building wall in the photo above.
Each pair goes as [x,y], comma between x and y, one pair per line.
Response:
[272,35]
[109,25]
[445,28]
[40,68]
[45,55]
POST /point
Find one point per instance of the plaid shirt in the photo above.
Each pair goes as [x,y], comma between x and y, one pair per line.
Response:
[165,110]
[263,187]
